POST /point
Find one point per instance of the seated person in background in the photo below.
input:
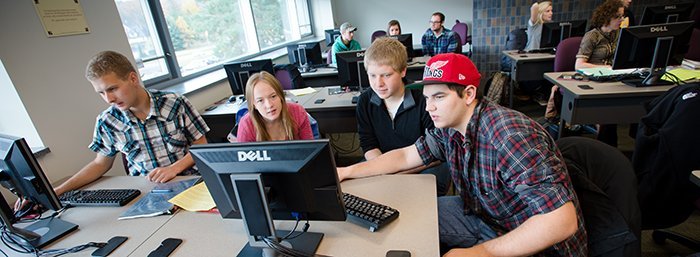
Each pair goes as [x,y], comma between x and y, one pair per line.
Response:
[394,28]
[515,197]
[345,42]
[628,20]
[598,49]
[390,116]
[437,39]
[270,116]
[598,44]
[152,129]
[539,13]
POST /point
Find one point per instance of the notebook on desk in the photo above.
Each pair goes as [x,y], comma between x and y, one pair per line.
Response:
[156,202]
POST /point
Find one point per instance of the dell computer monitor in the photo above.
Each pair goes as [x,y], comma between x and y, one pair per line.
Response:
[274,180]
[555,32]
[239,72]
[666,13]
[407,41]
[331,35]
[305,55]
[351,69]
[21,174]
[654,47]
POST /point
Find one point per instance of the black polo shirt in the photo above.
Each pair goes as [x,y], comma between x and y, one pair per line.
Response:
[376,128]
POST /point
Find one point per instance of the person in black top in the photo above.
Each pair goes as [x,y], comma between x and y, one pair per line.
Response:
[390,116]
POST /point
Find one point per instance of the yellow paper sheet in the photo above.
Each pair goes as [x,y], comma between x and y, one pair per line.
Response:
[196,198]
[683,74]
[302,91]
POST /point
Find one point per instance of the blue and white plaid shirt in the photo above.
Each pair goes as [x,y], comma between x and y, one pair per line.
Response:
[445,43]
[163,138]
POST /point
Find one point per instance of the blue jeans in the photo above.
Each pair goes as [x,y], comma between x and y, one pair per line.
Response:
[442,177]
[457,229]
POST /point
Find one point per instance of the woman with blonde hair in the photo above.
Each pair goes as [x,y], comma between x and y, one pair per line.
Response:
[270,116]
[539,13]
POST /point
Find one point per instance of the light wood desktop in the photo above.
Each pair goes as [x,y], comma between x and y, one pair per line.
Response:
[527,67]
[603,103]
[99,224]
[695,177]
[208,234]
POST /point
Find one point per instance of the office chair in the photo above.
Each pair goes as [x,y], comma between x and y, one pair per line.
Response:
[462,30]
[663,161]
[565,57]
[329,56]
[289,76]
[605,184]
[378,33]
[694,46]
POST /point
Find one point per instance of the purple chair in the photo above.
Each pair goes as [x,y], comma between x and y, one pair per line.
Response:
[565,58]
[329,56]
[285,79]
[694,49]
[378,33]
[462,30]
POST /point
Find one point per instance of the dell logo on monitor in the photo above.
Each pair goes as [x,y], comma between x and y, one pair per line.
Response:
[253,156]
[246,65]
[659,29]
[361,54]
[669,7]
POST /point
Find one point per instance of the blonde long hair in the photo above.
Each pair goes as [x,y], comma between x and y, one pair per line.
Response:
[261,133]
[541,8]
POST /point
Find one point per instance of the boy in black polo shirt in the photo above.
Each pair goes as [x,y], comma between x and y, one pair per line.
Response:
[390,116]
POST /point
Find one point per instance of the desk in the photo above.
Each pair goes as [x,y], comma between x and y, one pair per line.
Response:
[206,234]
[605,103]
[99,224]
[527,67]
[323,77]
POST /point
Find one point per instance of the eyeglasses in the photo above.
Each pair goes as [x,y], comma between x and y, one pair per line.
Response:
[435,22]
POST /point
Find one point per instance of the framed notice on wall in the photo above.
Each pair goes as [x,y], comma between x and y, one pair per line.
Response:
[61,17]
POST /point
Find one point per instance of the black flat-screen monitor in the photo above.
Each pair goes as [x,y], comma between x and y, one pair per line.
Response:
[331,35]
[666,13]
[555,32]
[407,41]
[305,55]
[239,72]
[21,174]
[351,69]
[654,47]
[275,180]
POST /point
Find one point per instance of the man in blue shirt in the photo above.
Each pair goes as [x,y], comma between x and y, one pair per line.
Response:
[345,42]
[437,39]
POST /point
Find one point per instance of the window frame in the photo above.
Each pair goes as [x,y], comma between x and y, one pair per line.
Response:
[174,75]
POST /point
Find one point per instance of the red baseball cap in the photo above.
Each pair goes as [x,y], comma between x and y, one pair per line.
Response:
[450,68]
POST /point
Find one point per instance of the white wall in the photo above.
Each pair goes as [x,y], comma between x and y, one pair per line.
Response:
[371,15]
[14,119]
[48,75]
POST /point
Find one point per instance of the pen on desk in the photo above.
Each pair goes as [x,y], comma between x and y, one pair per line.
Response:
[601,72]
[161,191]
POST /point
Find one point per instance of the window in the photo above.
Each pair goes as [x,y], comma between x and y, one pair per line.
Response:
[176,39]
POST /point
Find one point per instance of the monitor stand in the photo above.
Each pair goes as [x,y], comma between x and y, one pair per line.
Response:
[307,242]
[44,232]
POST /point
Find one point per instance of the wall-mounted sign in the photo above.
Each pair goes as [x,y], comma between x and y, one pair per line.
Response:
[61,17]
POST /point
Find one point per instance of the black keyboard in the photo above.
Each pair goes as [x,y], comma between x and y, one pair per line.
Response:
[99,197]
[615,78]
[368,213]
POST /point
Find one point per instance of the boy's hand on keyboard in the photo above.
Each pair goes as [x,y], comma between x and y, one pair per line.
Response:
[162,174]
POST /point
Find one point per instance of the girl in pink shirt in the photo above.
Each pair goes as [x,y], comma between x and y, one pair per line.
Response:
[270,116]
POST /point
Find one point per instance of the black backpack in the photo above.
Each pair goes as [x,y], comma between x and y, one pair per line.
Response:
[516,40]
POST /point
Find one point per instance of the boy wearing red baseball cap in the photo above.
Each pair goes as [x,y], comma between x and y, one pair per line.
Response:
[515,196]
